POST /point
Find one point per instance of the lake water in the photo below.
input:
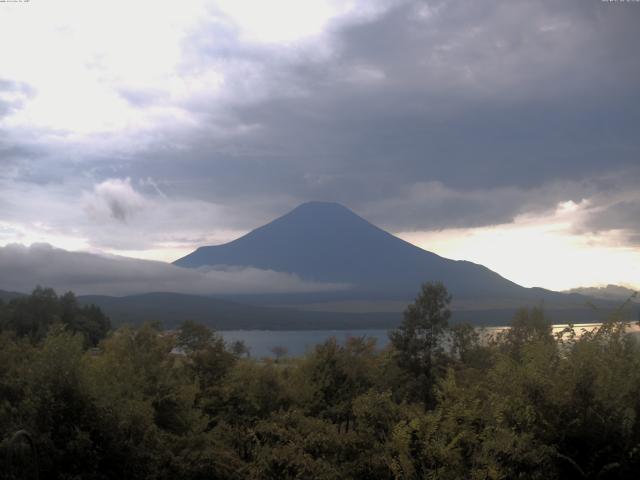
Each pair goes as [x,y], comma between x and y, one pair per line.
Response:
[298,342]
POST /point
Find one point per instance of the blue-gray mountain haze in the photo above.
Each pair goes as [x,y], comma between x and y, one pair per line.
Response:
[327,242]
[372,276]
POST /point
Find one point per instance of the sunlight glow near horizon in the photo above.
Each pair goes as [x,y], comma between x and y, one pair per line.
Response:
[539,251]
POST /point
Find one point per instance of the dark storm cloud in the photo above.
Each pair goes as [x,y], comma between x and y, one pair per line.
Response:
[484,96]
[623,216]
[619,215]
[430,115]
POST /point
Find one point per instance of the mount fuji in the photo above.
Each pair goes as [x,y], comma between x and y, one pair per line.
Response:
[327,242]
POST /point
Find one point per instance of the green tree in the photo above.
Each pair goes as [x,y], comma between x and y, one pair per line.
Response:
[33,316]
[88,320]
[528,326]
[418,340]
[334,375]
[194,336]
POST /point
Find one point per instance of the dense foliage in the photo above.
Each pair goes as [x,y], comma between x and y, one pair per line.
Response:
[33,316]
[153,404]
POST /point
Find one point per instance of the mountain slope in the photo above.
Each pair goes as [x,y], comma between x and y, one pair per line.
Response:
[7,296]
[328,242]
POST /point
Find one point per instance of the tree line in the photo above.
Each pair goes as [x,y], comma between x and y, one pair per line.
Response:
[80,400]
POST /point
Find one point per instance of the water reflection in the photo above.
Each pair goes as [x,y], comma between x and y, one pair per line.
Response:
[263,343]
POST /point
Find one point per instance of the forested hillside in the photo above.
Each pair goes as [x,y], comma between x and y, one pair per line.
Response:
[152,404]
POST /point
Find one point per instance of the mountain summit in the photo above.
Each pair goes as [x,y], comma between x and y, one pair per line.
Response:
[327,242]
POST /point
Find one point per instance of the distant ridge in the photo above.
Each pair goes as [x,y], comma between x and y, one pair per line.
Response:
[610,292]
[327,242]
[171,309]
[7,296]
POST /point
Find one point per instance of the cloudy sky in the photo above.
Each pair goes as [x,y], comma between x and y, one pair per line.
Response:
[503,132]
